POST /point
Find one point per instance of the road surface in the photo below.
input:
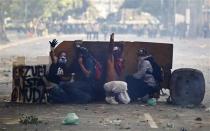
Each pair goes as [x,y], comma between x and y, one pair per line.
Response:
[192,53]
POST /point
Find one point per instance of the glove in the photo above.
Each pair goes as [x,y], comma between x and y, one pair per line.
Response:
[53,43]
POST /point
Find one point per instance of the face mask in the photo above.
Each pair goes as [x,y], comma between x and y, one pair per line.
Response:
[62,59]
[116,54]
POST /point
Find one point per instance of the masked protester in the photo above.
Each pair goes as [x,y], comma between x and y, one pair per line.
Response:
[142,83]
[82,89]
[116,90]
[86,64]
[114,61]
[57,75]
[59,68]
[145,68]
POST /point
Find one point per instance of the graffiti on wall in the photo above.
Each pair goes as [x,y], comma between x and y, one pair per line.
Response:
[28,86]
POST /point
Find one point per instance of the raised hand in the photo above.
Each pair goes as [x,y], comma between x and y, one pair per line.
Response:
[53,43]
[112,38]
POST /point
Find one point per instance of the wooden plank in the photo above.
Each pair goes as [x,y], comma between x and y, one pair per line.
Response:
[150,121]
[162,52]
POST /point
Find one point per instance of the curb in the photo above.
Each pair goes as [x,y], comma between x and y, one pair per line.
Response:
[21,42]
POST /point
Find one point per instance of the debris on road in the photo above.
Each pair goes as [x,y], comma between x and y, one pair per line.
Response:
[183,129]
[207,109]
[151,102]
[71,119]
[117,122]
[124,127]
[170,125]
[198,119]
[29,119]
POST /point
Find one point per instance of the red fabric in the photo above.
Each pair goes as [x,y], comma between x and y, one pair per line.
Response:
[119,66]
[98,71]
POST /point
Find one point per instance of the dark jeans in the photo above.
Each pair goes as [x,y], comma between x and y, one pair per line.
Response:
[78,92]
[57,95]
[137,88]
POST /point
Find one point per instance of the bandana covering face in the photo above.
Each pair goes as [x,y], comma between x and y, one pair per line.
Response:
[142,52]
[118,64]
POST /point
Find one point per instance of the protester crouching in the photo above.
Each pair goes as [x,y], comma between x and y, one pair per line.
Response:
[116,90]
[143,82]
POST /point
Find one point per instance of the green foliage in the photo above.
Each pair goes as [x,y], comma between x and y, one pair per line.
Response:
[151,6]
[29,119]
[27,10]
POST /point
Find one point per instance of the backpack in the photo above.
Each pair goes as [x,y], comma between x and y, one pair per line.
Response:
[157,70]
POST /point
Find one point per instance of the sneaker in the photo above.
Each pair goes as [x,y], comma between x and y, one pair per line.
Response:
[111,100]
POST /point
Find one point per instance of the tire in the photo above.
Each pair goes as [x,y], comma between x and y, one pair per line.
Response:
[187,87]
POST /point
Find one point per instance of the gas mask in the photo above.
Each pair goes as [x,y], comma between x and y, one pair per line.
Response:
[116,52]
[82,51]
[62,58]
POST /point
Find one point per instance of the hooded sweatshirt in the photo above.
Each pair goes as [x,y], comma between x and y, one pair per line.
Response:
[144,66]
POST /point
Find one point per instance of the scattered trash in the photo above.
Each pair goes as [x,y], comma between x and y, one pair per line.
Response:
[183,129]
[151,102]
[46,123]
[29,119]
[107,121]
[117,122]
[207,109]
[71,119]
[6,75]
[104,112]
[198,119]
[124,126]
[170,125]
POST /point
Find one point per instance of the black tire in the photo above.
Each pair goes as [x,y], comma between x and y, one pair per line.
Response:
[187,86]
